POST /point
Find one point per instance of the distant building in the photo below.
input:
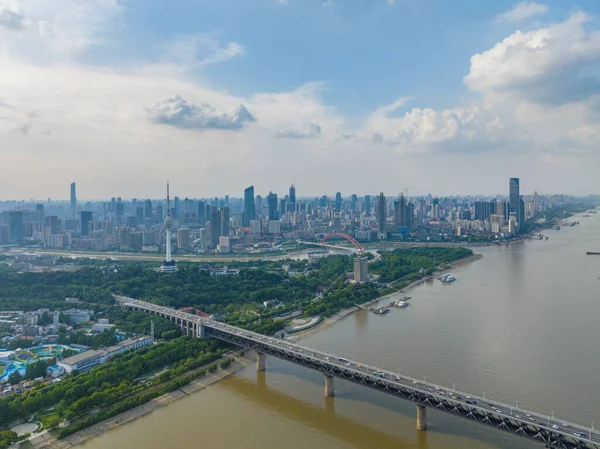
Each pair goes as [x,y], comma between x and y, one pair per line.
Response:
[183,238]
[82,362]
[215,227]
[381,217]
[361,270]
[86,219]
[249,213]
[225,221]
[73,200]
[274,227]
[256,227]
[514,201]
[224,246]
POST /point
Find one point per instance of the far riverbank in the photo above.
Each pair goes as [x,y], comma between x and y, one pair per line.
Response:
[330,321]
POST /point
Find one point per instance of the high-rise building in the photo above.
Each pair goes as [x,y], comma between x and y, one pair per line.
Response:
[225,221]
[368,205]
[148,209]
[338,201]
[381,217]
[183,238]
[292,198]
[410,217]
[168,265]
[85,218]
[361,269]
[215,227]
[201,213]
[272,201]
[400,212]
[435,208]
[249,207]
[353,201]
[73,200]
[16,227]
[514,201]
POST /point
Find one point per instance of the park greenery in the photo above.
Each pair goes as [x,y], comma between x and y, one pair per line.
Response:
[406,264]
[260,298]
[77,395]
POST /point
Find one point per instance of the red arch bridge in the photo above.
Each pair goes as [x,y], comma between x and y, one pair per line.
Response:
[352,240]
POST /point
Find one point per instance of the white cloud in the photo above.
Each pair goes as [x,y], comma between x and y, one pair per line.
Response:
[522,11]
[306,131]
[10,17]
[198,50]
[545,65]
[175,111]
[328,4]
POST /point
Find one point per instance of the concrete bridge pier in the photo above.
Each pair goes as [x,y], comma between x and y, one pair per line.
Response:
[421,417]
[261,361]
[329,391]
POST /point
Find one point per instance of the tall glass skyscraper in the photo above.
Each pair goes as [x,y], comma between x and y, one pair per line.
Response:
[381,217]
[73,199]
[249,207]
[514,200]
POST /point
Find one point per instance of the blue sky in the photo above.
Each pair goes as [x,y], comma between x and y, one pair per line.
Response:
[440,96]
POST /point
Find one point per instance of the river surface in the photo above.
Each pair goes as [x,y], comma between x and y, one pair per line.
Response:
[521,324]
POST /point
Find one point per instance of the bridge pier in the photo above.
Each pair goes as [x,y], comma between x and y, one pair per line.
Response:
[421,417]
[329,391]
[261,361]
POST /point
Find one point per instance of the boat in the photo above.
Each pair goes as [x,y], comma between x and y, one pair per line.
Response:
[399,303]
[557,228]
[380,311]
[573,224]
[447,278]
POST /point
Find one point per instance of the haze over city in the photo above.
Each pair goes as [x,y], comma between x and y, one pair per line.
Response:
[437,97]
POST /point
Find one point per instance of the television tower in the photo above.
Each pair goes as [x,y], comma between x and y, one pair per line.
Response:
[168,265]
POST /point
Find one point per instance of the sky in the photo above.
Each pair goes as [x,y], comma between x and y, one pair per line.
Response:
[358,96]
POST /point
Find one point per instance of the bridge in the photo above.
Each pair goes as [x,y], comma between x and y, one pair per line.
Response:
[547,430]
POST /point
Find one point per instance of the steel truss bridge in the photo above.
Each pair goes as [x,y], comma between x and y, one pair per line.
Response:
[547,430]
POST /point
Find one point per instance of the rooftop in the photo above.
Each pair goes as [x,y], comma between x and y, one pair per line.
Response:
[81,356]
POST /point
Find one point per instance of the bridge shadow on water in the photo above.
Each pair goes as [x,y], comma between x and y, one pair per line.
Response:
[324,419]
[354,431]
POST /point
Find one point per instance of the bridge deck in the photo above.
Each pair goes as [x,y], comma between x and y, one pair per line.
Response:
[535,426]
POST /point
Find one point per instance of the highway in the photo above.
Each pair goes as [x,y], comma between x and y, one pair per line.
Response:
[552,431]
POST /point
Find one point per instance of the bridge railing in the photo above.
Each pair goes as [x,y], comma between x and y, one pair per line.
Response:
[480,403]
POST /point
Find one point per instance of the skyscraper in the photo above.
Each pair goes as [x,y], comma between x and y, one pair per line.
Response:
[148,209]
[368,205]
[381,212]
[338,201]
[435,209]
[514,201]
[73,200]
[292,199]
[168,265]
[400,212]
[215,227]
[201,213]
[272,201]
[225,221]
[249,213]
[86,218]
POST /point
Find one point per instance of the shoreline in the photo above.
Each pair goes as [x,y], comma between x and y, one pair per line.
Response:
[330,321]
[47,441]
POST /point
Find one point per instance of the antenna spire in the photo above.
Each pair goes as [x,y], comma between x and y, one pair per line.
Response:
[168,201]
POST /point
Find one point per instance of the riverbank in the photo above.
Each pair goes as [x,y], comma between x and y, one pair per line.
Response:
[330,321]
[48,441]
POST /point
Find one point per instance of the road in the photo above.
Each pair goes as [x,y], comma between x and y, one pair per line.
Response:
[571,430]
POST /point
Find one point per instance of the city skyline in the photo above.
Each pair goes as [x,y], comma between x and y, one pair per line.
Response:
[223,105]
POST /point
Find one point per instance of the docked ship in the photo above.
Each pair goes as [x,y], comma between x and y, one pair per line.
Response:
[446,278]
